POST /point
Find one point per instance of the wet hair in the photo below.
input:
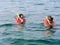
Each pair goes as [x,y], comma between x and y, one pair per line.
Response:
[50,18]
[21,15]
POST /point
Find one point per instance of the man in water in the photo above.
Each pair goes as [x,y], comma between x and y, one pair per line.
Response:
[20,19]
[49,24]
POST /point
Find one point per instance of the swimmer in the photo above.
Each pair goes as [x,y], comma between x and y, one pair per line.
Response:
[20,19]
[48,22]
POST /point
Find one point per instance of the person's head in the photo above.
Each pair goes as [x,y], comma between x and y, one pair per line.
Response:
[21,15]
[50,18]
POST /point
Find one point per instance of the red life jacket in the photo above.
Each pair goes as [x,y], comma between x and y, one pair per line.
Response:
[47,23]
[18,20]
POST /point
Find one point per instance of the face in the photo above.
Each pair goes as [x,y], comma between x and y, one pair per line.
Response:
[21,15]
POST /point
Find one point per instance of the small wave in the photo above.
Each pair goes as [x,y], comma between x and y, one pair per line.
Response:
[57,7]
[48,41]
[7,25]
[40,4]
[46,9]
[29,42]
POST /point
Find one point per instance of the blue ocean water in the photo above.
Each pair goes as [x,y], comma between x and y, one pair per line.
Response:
[32,33]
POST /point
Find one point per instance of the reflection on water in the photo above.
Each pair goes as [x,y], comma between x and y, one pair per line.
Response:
[20,27]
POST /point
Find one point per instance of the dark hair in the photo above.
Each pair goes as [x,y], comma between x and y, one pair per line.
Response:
[50,18]
[21,15]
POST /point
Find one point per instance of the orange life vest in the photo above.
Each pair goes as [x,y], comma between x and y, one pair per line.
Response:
[47,23]
[18,20]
